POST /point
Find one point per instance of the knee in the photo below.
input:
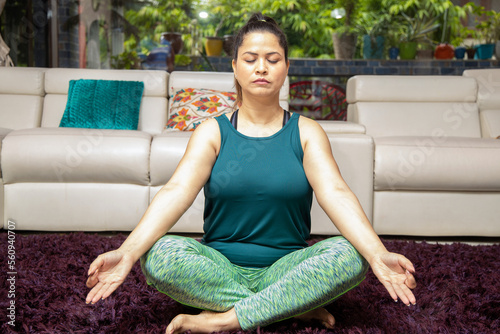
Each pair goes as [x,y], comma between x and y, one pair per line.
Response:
[346,256]
[165,254]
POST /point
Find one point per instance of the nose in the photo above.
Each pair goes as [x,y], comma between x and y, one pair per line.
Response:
[261,66]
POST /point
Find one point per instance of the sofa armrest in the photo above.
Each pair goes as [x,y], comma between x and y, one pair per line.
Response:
[341,127]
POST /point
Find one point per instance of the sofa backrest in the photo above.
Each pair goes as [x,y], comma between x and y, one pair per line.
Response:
[488,99]
[153,112]
[414,105]
[223,81]
[21,97]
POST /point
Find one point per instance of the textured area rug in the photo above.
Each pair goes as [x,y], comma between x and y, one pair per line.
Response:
[458,292]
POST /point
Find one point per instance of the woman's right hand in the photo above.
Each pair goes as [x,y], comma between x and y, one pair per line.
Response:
[107,273]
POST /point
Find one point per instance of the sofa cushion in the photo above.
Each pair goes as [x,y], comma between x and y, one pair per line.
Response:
[167,150]
[153,112]
[410,88]
[20,111]
[382,119]
[76,155]
[437,163]
[189,107]
[490,123]
[103,104]
[22,81]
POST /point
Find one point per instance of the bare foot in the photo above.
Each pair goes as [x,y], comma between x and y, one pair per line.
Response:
[205,322]
[318,314]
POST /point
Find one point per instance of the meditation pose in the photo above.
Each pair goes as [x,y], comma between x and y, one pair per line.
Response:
[259,167]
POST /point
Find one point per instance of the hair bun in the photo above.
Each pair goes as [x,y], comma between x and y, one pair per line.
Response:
[259,17]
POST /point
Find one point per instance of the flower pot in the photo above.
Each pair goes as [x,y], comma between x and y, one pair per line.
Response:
[393,53]
[373,48]
[344,45]
[407,50]
[444,51]
[213,46]
[497,50]
[460,52]
[175,40]
[485,51]
[470,53]
[227,45]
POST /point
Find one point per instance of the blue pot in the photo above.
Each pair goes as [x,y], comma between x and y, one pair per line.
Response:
[485,51]
[460,52]
[373,49]
[393,53]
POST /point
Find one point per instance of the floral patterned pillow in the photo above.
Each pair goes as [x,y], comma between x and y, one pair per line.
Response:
[191,106]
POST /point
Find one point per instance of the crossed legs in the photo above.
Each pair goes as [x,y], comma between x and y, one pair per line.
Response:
[297,285]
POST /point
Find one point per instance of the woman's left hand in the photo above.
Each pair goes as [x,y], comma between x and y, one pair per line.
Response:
[395,272]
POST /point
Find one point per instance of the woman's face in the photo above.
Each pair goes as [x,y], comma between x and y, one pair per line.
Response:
[261,68]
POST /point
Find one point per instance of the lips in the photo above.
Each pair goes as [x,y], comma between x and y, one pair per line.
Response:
[261,81]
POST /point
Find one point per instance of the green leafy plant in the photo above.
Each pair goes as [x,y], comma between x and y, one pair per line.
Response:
[487,23]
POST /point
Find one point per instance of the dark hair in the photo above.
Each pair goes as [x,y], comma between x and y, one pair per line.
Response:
[257,23]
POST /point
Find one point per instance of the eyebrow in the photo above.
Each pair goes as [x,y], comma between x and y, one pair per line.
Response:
[267,54]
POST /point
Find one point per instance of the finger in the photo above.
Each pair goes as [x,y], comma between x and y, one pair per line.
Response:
[410,280]
[406,264]
[390,289]
[405,294]
[93,293]
[100,289]
[92,280]
[98,262]
[112,287]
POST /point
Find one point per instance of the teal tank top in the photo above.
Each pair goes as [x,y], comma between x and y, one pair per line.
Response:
[257,199]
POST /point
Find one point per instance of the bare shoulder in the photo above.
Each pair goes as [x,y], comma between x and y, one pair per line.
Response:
[310,131]
[207,133]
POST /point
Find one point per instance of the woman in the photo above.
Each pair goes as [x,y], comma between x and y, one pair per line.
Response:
[253,266]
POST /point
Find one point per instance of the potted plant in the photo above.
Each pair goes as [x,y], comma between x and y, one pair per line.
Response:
[214,44]
[166,19]
[487,29]
[416,30]
[344,36]
[374,28]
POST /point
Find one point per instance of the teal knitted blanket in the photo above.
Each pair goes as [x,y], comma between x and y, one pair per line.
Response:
[103,104]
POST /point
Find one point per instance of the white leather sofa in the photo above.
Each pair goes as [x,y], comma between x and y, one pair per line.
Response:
[68,179]
[437,166]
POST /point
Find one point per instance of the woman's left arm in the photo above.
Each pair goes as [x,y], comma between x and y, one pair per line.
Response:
[394,271]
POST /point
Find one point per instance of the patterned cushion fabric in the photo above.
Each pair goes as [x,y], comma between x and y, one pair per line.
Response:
[191,106]
[103,104]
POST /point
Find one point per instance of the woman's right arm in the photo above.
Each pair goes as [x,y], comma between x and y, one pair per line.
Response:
[110,269]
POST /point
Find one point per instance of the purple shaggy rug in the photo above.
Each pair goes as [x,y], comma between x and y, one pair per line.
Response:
[458,292]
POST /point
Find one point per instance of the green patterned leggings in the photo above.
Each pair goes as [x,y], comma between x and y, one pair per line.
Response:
[199,276]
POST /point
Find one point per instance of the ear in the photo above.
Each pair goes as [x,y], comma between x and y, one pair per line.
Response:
[233,63]
[287,66]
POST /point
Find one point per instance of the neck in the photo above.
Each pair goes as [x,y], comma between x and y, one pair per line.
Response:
[257,118]
[261,112]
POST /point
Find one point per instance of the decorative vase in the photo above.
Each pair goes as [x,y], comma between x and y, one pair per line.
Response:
[175,40]
[407,50]
[393,52]
[485,51]
[373,48]
[444,51]
[213,46]
[460,52]
[227,45]
[344,45]
[470,53]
